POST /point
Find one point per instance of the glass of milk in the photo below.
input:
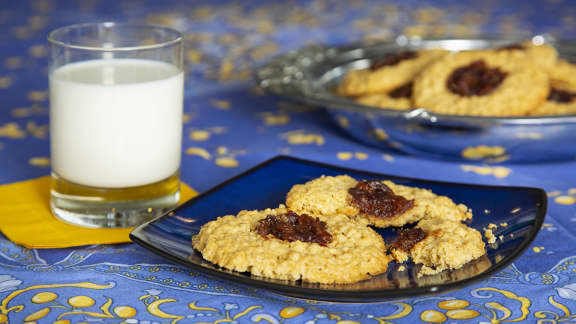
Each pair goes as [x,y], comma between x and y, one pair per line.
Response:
[116,95]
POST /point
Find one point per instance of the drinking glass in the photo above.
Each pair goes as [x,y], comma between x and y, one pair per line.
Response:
[116,95]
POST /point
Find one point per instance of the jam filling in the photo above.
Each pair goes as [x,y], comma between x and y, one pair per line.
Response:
[374,198]
[511,47]
[561,96]
[475,79]
[407,238]
[391,59]
[293,227]
[404,91]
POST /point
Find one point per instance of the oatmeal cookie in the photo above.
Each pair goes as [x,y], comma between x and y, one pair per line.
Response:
[438,245]
[275,243]
[480,83]
[527,53]
[398,98]
[343,194]
[387,73]
[324,196]
[564,73]
[562,97]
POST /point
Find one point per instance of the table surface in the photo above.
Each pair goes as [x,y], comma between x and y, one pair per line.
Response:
[231,126]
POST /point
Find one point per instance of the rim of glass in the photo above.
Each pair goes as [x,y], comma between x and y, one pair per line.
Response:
[178,37]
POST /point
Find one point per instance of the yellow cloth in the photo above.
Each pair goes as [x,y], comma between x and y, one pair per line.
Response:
[26,219]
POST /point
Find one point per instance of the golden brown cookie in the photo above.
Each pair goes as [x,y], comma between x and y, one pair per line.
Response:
[480,83]
[387,73]
[438,245]
[527,53]
[324,196]
[561,99]
[398,98]
[564,74]
[354,252]
[328,195]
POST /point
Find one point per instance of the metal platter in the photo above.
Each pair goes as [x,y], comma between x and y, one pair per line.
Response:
[310,74]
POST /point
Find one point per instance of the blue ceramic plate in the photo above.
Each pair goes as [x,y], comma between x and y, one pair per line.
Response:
[266,185]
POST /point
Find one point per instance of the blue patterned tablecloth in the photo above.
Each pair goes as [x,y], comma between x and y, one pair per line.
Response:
[231,126]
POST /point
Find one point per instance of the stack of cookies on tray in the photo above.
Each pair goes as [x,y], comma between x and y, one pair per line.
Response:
[323,234]
[515,80]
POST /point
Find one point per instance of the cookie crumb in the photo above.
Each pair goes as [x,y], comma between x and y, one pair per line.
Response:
[489,235]
[426,271]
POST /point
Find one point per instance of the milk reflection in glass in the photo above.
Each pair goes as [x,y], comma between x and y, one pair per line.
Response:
[116,123]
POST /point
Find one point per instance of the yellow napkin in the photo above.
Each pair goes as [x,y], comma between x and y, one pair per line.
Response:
[26,219]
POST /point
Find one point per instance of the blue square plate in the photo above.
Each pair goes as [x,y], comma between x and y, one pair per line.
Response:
[266,186]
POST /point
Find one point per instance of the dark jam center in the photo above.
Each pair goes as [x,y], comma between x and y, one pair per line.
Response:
[404,91]
[374,198]
[561,96]
[391,59]
[475,79]
[293,227]
[407,238]
[511,47]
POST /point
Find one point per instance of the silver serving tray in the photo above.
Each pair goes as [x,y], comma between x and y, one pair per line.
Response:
[310,74]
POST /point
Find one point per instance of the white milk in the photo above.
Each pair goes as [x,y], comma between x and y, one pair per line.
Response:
[116,123]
